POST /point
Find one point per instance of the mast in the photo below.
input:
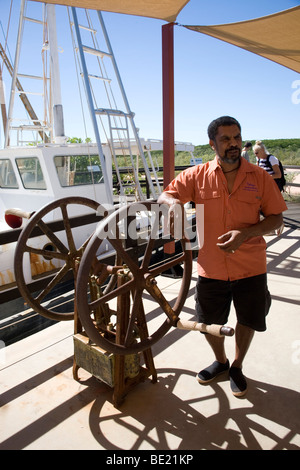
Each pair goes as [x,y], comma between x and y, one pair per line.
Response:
[58,118]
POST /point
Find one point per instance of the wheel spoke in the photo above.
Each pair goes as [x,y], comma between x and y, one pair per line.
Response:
[162,301]
[68,229]
[55,280]
[46,253]
[136,307]
[118,246]
[111,295]
[148,253]
[52,237]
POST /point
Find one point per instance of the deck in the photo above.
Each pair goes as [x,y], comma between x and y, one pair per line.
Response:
[44,408]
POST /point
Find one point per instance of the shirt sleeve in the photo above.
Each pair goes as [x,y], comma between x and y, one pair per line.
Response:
[183,187]
[273,160]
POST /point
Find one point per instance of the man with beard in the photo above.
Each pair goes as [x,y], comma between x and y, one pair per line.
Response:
[231,261]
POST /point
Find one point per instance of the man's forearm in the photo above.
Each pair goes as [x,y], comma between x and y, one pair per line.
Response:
[272,222]
[231,241]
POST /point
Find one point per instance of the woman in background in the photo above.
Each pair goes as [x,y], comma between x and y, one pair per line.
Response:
[267,161]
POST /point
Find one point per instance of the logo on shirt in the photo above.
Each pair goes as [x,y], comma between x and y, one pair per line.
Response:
[250,187]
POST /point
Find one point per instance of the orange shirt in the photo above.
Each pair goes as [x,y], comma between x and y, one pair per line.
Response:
[254,191]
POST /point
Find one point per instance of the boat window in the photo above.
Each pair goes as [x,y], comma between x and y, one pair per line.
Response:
[31,173]
[7,175]
[75,170]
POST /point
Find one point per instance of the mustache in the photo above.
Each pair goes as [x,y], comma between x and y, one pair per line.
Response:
[230,158]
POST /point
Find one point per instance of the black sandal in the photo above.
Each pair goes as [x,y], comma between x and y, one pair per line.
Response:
[238,382]
[212,371]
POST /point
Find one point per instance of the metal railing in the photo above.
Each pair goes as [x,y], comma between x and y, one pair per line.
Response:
[292,167]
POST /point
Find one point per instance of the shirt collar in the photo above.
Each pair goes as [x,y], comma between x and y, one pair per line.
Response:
[244,166]
[213,165]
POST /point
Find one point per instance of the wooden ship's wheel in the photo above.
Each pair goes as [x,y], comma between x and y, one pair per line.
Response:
[59,249]
[119,321]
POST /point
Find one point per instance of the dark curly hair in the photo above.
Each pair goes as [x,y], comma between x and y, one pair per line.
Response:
[221,121]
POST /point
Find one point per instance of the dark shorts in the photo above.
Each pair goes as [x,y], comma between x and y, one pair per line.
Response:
[250,296]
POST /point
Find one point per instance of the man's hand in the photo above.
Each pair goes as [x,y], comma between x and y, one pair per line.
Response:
[231,240]
[175,214]
[176,220]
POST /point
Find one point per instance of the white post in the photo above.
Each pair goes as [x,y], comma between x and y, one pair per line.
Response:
[55,76]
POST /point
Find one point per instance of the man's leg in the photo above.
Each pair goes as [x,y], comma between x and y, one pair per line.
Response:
[217,345]
[212,306]
[252,301]
[243,339]
[219,366]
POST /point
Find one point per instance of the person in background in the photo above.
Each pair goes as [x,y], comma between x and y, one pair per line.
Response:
[232,261]
[246,149]
[271,164]
[262,158]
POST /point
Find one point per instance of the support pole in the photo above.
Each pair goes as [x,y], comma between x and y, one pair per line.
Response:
[168,102]
[168,111]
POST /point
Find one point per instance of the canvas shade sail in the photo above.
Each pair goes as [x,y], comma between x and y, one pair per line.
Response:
[160,9]
[275,37]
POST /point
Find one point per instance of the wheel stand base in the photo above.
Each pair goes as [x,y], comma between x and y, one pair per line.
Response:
[122,373]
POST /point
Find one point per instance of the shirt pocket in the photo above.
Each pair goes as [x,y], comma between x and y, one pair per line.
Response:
[211,200]
[208,194]
[248,207]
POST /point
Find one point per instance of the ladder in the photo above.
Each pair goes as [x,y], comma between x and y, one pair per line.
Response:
[37,128]
[115,120]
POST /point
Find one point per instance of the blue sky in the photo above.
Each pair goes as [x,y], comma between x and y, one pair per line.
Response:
[212,78]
